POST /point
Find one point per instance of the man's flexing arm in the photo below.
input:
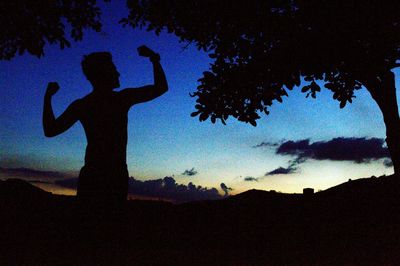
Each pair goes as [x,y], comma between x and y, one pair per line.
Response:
[150,92]
[52,126]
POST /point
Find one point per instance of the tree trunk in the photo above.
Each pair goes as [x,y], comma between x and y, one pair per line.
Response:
[383,91]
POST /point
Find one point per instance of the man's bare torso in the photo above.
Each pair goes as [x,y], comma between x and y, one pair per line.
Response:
[104,119]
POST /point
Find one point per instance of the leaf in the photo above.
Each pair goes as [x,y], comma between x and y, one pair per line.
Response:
[314,86]
[253,123]
[208,74]
[203,117]
[213,119]
[342,104]
[305,88]
[194,113]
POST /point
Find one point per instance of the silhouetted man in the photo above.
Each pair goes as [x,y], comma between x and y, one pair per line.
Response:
[104,116]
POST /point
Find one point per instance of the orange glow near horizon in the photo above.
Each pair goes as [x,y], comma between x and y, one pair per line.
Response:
[55,189]
[59,190]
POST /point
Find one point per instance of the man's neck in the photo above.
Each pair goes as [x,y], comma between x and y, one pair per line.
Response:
[102,90]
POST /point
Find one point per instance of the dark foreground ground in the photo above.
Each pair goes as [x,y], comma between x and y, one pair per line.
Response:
[355,223]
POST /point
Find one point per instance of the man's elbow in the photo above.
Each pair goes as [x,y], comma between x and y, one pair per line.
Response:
[164,88]
[160,89]
[49,133]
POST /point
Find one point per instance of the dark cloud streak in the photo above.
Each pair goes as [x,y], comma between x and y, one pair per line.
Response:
[282,171]
[250,179]
[31,173]
[359,150]
[266,144]
[190,172]
[292,168]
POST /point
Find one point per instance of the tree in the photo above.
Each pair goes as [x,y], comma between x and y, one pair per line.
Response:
[261,49]
[26,26]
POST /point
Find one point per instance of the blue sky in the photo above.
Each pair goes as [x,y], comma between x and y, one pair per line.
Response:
[163,139]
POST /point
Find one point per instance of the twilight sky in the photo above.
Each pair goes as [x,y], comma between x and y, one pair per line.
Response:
[165,141]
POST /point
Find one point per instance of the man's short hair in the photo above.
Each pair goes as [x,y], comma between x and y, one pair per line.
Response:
[92,64]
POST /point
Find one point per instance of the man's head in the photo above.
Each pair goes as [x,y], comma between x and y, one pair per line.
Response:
[100,70]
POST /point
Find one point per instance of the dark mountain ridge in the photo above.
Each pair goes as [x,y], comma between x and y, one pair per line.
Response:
[356,222]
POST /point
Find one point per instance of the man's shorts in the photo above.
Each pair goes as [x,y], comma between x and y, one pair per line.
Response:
[103,182]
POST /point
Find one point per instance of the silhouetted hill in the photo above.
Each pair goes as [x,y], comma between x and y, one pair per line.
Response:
[353,223]
[254,195]
[383,184]
[17,188]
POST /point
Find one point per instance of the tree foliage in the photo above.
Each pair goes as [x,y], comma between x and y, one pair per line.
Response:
[26,26]
[261,49]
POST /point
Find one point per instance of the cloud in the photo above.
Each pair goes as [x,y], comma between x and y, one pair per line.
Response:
[163,188]
[359,150]
[32,161]
[39,182]
[250,179]
[68,183]
[292,168]
[225,189]
[190,172]
[388,163]
[31,173]
[282,171]
[18,160]
[266,144]
[167,188]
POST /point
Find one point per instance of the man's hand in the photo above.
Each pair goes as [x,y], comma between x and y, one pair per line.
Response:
[147,52]
[52,88]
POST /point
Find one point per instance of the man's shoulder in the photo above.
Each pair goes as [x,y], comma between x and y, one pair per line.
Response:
[91,98]
[80,102]
[87,98]
[120,92]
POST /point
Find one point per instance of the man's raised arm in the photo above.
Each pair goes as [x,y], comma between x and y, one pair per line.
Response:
[52,126]
[150,92]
